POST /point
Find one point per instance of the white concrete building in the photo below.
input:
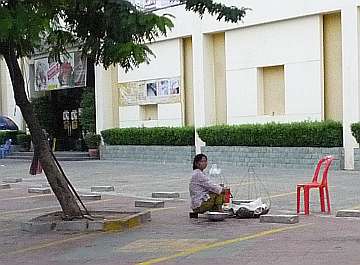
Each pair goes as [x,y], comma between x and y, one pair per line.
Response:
[287,61]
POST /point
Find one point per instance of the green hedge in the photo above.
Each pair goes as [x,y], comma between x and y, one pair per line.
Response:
[9,135]
[92,140]
[355,129]
[149,136]
[301,134]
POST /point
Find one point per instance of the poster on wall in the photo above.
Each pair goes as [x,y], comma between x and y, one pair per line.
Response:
[149,4]
[150,91]
[50,75]
[164,88]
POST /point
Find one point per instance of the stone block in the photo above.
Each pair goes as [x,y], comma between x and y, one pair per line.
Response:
[39,190]
[171,195]
[4,186]
[72,226]
[149,204]
[90,197]
[102,188]
[281,219]
[95,226]
[348,213]
[37,227]
[12,180]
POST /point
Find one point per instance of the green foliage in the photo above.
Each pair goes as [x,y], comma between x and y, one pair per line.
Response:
[301,134]
[24,140]
[150,136]
[108,31]
[355,129]
[92,141]
[229,13]
[45,113]
[4,135]
[87,117]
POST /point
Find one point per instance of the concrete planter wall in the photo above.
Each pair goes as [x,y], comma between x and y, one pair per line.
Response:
[276,157]
[280,157]
[357,158]
[159,154]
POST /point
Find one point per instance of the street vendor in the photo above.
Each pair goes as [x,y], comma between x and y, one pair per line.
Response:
[205,195]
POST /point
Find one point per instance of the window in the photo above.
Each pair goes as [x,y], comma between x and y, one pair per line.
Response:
[273,90]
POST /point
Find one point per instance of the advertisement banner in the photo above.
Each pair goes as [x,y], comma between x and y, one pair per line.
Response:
[50,75]
[150,91]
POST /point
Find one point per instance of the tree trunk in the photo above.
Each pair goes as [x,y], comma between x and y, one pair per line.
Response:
[56,180]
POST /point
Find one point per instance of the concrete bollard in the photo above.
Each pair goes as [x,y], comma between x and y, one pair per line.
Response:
[171,195]
[348,213]
[102,188]
[39,190]
[149,204]
[280,219]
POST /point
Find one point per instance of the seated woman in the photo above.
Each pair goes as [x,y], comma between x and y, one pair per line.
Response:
[205,195]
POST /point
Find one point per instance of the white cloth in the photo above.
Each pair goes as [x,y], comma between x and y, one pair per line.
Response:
[199,187]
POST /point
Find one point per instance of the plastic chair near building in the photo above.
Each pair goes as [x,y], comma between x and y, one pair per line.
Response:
[5,149]
[324,162]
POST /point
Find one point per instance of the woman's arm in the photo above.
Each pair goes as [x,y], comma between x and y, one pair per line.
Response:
[205,182]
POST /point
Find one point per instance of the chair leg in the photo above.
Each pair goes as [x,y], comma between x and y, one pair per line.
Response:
[298,190]
[306,200]
[328,199]
[322,201]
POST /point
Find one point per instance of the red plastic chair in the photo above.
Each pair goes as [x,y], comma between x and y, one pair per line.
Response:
[322,186]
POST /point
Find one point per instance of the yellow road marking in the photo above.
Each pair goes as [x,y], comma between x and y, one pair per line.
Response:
[26,197]
[48,207]
[219,244]
[282,194]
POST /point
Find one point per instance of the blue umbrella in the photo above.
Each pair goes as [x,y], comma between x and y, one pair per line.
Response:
[7,124]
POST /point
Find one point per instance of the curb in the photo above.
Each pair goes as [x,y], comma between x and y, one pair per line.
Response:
[114,225]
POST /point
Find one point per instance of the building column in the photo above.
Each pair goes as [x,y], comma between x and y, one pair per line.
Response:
[203,84]
[350,66]
[103,98]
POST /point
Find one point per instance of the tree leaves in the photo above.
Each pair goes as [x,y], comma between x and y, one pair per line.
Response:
[107,31]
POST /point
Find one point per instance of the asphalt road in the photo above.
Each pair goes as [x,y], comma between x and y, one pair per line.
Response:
[171,237]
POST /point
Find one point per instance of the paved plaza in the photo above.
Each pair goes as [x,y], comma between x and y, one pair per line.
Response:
[171,237]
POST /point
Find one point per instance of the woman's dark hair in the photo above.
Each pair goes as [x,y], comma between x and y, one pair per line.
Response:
[198,158]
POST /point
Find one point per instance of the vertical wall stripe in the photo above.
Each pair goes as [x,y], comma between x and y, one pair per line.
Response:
[188,81]
[220,77]
[332,40]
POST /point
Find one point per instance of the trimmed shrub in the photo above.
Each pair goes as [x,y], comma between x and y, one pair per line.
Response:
[92,140]
[172,136]
[4,135]
[24,140]
[355,129]
[297,134]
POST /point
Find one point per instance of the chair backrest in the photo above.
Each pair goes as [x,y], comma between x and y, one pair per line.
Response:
[327,160]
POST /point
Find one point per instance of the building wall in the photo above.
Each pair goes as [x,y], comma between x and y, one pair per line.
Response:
[7,102]
[273,44]
[167,63]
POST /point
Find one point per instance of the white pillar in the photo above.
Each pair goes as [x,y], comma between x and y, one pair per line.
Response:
[103,98]
[203,83]
[198,87]
[350,66]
